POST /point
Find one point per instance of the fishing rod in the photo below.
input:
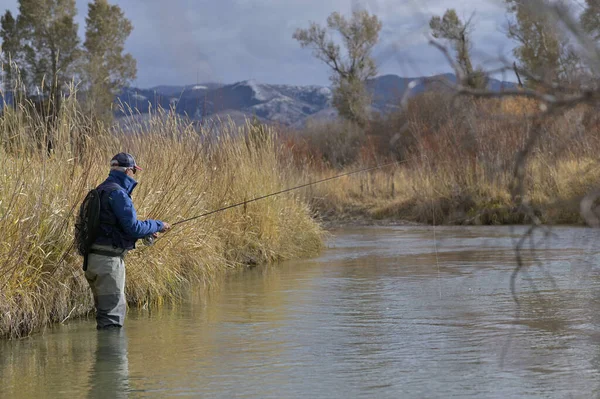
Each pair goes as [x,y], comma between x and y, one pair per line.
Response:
[281,192]
[149,240]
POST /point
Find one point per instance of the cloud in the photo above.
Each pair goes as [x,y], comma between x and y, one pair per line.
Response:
[181,41]
[404,47]
[234,40]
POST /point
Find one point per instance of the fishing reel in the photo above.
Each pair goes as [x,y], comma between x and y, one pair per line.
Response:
[149,240]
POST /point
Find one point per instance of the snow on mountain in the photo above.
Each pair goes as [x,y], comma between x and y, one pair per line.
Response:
[317,95]
[283,104]
[290,105]
[138,96]
[282,109]
[259,92]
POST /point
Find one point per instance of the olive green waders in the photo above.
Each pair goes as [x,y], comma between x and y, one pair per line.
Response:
[106,277]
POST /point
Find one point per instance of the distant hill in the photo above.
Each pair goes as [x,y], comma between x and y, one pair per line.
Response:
[284,104]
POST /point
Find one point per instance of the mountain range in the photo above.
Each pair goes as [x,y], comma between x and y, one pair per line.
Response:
[288,105]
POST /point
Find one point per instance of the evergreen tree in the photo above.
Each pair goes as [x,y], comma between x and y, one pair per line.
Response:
[590,18]
[11,51]
[51,46]
[106,69]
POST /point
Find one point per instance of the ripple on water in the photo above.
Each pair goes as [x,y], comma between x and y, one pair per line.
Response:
[385,312]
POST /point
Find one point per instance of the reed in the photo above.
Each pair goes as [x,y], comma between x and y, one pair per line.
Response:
[187,172]
[456,164]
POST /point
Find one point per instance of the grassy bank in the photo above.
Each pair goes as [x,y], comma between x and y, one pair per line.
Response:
[185,174]
[420,194]
[456,167]
[456,163]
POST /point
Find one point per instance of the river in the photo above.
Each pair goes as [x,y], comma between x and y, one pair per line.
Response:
[384,312]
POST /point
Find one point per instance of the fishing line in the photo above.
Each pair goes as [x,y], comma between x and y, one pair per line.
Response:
[437,262]
[150,240]
[286,190]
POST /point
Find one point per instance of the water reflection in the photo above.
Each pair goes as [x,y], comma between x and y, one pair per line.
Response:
[109,375]
[52,364]
[383,313]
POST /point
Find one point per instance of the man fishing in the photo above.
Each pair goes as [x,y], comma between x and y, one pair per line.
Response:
[118,232]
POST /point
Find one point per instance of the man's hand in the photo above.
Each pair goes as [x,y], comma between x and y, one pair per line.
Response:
[166,226]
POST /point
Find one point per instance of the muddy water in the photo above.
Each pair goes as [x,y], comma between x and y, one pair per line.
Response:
[383,313]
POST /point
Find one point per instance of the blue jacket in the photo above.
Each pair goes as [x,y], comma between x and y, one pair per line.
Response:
[119,226]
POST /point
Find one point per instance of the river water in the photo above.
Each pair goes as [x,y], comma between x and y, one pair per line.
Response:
[384,312]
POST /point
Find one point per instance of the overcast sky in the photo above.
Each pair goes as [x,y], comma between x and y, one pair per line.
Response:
[182,41]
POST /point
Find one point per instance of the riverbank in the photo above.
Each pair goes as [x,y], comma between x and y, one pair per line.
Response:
[186,173]
[456,162]
[462,195]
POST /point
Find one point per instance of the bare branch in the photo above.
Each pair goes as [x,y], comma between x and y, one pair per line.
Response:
[457,71]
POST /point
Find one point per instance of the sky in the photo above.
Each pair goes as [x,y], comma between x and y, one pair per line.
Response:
[179,42]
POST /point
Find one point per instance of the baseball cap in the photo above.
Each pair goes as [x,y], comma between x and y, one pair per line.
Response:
[125,160]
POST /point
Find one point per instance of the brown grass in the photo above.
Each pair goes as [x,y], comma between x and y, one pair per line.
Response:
[457,159]
[186,173]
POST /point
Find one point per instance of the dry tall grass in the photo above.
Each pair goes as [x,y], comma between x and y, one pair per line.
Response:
[458,162]
[186,173]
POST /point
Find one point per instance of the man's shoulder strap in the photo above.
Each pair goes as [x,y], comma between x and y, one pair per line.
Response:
[109,187]
[104,191]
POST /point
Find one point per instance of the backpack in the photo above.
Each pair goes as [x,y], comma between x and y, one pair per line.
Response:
[88,220]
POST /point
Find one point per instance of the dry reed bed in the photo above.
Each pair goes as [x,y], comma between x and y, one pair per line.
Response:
[185,174]
[457,168]
[419,193]
[458,163]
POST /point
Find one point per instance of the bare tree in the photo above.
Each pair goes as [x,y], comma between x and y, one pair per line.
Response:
[540,54]
[350,73]
[458,33]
